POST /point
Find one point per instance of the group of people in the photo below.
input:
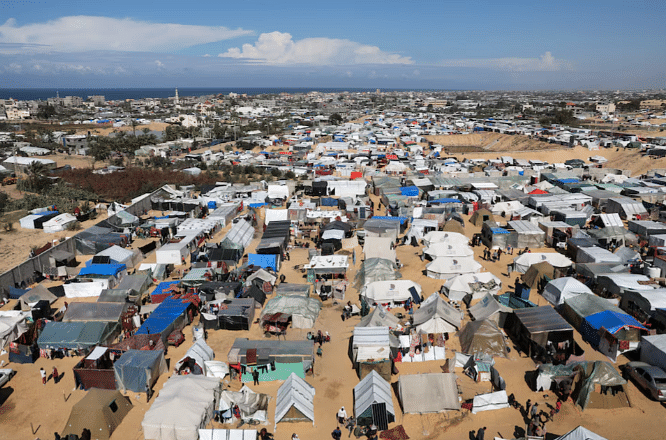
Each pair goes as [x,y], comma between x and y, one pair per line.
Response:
[492,256]
[54,374]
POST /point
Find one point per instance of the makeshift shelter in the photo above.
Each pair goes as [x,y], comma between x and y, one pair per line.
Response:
[611,332]
[436,316]
[183,406]
[443,268]
[138,369]
[34,295]
[454,238]
[102,312]
[118,255]
[375,269]
[295,401]
[653,350]
[444,249]
[195,357]
[536,277]
[169,315]
[303,311]
[525,234]
[371,351]
[379,317]
[12,325]
[229,314]
[541,330]
[59,223]
[482,336]
[560,289]
[490,402]
[80,336]
[428,393]
[471,286]
[274,359]
[480,216]
[490,308]
[95,370]
[217,369]
[228,434]
[579,307]
[453,226]
[392,292]
[599,385]
[580,433]
[100,411]
[523,262]
[379,247]
[373,402]
[253,406]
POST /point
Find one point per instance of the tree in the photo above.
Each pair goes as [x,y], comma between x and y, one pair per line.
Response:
[99,151]
[37,179]
[335,118]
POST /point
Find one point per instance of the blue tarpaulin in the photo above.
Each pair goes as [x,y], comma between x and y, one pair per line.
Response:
[257,205]
[212,204]
[608,319]
[161,287]
[499,231]
[102,269]
[385,217]
[570,180]
[46,213]
[410,191]
[15,293]
[137,368]
[263,260]
[445,201]
[162,320]
[329,201]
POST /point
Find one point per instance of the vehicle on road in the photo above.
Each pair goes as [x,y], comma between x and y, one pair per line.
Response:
[652,379]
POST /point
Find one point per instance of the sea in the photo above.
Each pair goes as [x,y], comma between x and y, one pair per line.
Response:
[114,94]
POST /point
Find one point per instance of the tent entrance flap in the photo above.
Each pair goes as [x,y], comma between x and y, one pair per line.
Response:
[415,295]
[379,416]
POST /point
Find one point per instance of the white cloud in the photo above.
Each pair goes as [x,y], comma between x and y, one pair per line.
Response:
[278,48]
[159,64]
[83,33]
[545,63]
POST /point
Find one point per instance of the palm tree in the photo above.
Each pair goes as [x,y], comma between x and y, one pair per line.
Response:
[36,172]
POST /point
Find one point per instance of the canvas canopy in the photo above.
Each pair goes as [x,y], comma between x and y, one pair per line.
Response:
[428,393]
[369,394]
[538,274]
[436,316]
[446,267]
[12,326]
[295,401]
[304,311]
[34,295]
[444,249]
[375,269]
[489,308]
[262,275]
[253,406]
[482,336]
[476,285]
[560,289]
[75,335]
[391,292]
[197,354]
[480,216]
[379,317]
[228,434]
[454,238]
[523,262]
[581,433]
[597,373]
[104,312]
[101,411]
[379,247]
[183,405]
[538,324]
[138,369]
[490,402]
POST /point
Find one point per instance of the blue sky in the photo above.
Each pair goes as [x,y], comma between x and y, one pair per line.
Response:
[456,44]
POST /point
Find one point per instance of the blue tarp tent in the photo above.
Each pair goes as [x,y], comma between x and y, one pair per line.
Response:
[15,293]
[610,320]
[263,261]
[102,269]
[165,318]
[137,368]
[161,287]
[257,205]
[212,204]
[329,201]
[410,191]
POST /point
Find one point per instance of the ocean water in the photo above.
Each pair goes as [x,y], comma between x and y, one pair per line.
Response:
[113,94]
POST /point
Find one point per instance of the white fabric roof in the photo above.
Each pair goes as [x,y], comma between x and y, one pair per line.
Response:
[372,389]
[557,290]
[454,238]
[458,287]
[445,267]
[490,401]
[227,434]
[200,352]
[379,317]
[444,249]
[428,393]
[12,326]
[391,291]
[379,247]
[523,262]
[276,215]
[436,316]
[581,433]
[295,392]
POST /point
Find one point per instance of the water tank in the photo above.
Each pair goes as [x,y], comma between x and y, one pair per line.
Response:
[653,272]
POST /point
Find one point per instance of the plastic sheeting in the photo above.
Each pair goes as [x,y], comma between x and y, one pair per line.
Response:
[560,289]
[253,406]
[436,316]
[428,393]
[602,373]
[303,311]
[138,369]
[482,336]
[376,269]
[476,285]
[295,401]
[393,291]
[490,401]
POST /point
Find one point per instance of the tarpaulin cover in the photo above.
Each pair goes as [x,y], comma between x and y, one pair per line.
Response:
[80,311]
[295,394]
[262,260]
[376,269]
[602,373]
[610,320]
[490,401]
[581,433]
[75,335]
[409,191]
[428,393]
[102,269]
[436,316]
[539,322]
[137,369]
[482,336]
[164,318]
[369,223]
[303,311]
[95,412]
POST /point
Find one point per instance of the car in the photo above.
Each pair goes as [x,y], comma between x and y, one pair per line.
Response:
[652,379]
[5,375]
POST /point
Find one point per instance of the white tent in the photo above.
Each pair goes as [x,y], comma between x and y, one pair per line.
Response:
[490,401]
[373,389]
[443,268]
[653,350]
[278,191]
[379,317]
[183,406]
[295,401]
[273,215]
[217,369]
[379,247]
[391,292]
[488,308]
[12,325]
[200,352]
[119,255]
[436,316]
[444,249]
[371,344]
[454,238]
[262,275]
[81,290]
[58,223]
[252,406]
[475,284]
[581,433]
[559,289]
[428,393]
[227,434]
[523,262]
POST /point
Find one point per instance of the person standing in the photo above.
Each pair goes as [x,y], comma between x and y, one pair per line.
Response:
[255,376]
[43,374]
[528,406]
[56,377]
[350,424]
[336,434]
[319,351]
[481,434]
[535,411]
[342,415]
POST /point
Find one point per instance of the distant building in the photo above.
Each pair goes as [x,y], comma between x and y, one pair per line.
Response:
[72,101]
[76,144]
[606,108]
[20,164]
[14,114]
[98,100]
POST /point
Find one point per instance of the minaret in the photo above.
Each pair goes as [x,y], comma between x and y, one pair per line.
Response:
[176,99]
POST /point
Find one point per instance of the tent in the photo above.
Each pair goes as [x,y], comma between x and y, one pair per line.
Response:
[428,393]
[476,285]
[373,402]
[183,405]
[304,311]
[85,312]
[580,433]
[195,357]
[599,373]
[59,223]
[436,316]
[274,359]
[444,249]
[482,336]
[454,238]
[489,308]
[538,275]
[76,335]
[537,326]
[443,268]
[480,216]
[34,295]
[392,292]
[253,406]
[138,369]
[453,226]
[371,351]
[612,332]
[295,401]
[375,269]
[579,307]
[228,434]
[101,411]
[490,401]
[379,317]
[379,247]
[523,262]
[12,326]
[560,289]
[230,314]
[653,350]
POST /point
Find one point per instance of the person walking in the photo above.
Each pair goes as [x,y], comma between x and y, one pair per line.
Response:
[255,376]
[481,434]
[336,434]
[350,424]
[528,406]
[56,377]
[43,374]
[319,351]
[535,411]
[342,415]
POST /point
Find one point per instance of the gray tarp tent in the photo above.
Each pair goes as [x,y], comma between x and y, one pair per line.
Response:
[436,316]
[576,309]
[303,311]
[540,325]
[34,295]
[581,433]
[599,373]
[137,369]
[379,317]
[103,312]
[295,401]
[489,308]
[253,406]
[376,269]
[428,393]
[75,335]
[653,350]
[373,402]
[195,357]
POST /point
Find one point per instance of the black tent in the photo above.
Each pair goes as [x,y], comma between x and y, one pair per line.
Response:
[255,293]
[319,188]
[210,288]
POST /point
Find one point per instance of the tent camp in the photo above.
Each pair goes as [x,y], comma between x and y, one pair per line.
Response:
[443,268]
[373,402]
[195,357]
[444,249]
[436,316]
[295,401]
[440,388]
[480,216]
[560,289]
[392,292]
[253,406]
[523,262]
[581,433]
[182,406]
[371,351]
[379,317]
[587,394]
[483,336]
[472,286]
[101,411]
[138,369]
